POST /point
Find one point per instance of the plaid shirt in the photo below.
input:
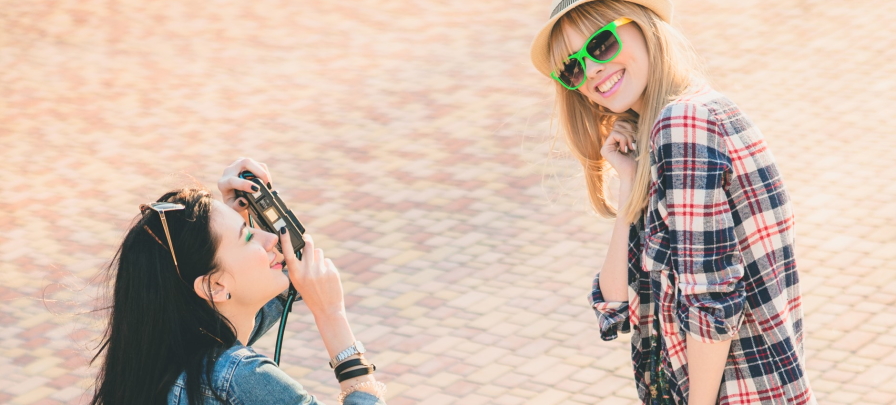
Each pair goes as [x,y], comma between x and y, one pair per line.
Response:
[713,257]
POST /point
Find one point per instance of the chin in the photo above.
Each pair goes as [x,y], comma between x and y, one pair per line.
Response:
[618,110]
[283,283]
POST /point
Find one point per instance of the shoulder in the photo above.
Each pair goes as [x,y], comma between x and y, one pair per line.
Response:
[701,98]
[243,376]
[243,373]
[700,116]
[240,363]
[225,366]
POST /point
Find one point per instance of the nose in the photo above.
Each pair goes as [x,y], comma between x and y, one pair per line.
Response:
[592,68]
[270,241]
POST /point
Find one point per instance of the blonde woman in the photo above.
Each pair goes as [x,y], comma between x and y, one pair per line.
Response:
[700,267]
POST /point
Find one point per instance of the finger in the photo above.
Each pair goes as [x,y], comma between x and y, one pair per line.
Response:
[630,138]
[308,250]
[624,142]
[239,205]
[258,170]
[268,171]
[617,140]
[330,265]
[612,139]
[288,254]
[236,183]
[318,255]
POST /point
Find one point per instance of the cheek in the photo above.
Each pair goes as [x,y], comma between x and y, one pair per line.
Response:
[246,261]
[640,63]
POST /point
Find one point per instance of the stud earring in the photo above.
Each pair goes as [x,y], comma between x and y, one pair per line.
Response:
[225,297]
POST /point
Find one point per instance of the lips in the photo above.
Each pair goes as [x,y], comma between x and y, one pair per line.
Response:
[607,86]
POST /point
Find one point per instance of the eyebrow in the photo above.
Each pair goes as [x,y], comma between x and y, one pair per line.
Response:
[239,235]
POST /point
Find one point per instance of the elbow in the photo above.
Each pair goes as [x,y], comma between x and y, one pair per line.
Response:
[712,313]
[612,316]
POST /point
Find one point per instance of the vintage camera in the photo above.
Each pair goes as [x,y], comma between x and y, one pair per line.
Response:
[268,212]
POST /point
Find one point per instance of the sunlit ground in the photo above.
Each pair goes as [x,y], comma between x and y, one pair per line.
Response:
[412,138]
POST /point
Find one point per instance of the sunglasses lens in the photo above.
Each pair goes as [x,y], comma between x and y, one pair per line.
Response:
[603,46]
[166,206]
[572,73]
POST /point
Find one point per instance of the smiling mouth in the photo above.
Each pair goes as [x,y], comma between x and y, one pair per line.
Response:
[610,82]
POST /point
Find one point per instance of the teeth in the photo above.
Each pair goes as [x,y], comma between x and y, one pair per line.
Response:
[607,85]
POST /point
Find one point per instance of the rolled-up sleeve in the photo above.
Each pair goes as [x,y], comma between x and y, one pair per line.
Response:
[612,317]
[692,168]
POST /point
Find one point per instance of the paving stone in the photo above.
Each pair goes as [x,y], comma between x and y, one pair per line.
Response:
[466,248]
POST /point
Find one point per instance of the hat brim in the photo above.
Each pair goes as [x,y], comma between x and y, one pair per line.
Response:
[539,50]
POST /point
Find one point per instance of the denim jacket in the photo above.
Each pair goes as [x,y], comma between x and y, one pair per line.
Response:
[242,376]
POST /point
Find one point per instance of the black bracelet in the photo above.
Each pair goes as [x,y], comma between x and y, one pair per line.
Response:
[345,365]
[356,373]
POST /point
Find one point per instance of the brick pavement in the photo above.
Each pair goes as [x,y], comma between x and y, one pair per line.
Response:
[412,137]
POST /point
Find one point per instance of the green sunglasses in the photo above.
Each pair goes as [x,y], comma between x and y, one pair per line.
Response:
[601,47]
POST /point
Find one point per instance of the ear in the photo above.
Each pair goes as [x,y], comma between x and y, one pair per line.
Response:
[210,290]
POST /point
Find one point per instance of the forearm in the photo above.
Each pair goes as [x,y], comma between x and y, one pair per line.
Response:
[706,364]
[614,273]
[337,336]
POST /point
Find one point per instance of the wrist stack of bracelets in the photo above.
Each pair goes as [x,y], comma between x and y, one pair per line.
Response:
[347,368]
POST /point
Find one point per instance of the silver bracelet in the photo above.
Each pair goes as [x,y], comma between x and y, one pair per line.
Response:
[377,386]
[356,348]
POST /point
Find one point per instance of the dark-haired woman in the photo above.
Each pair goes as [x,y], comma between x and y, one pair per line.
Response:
[194,287]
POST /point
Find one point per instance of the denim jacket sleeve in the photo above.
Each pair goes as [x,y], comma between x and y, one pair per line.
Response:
[257,380]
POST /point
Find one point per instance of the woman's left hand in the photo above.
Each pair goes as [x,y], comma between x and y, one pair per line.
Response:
[619,150]
[230,182]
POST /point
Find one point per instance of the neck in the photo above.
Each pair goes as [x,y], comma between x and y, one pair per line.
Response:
[242,318]
[636,107]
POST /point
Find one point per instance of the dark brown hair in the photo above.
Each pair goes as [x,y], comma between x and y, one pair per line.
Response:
[158,326]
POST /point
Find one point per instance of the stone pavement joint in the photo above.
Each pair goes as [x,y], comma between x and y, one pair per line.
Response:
[415,145]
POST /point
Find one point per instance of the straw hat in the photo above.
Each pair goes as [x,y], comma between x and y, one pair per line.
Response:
[540,57]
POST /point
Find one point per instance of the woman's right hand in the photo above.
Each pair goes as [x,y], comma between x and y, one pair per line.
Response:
[230,182]
[315,277]
[619,150]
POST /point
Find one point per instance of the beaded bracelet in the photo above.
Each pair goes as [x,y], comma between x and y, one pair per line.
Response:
[377,386]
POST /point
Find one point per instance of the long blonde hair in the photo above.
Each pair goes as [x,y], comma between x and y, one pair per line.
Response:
[672,67]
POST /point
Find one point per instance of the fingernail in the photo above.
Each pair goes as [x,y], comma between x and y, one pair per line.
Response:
[283,230]
[241,203]
[254,188]
[269,186]
[634,146]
